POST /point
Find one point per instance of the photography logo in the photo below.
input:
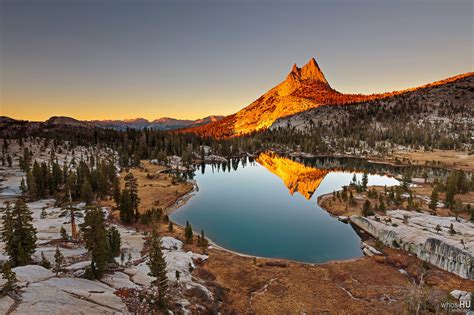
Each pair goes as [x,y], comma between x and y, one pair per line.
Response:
[461,306]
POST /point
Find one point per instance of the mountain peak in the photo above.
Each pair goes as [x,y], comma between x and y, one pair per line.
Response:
[309,71]
[295,69]
[303,89]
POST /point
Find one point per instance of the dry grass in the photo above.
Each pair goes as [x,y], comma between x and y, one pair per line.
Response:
[156,190]
[449,159]
[343,287]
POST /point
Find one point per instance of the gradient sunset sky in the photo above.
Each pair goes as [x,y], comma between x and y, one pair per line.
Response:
[115,59]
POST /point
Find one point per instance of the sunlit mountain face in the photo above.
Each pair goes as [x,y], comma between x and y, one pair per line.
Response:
[296,176]
[303,89]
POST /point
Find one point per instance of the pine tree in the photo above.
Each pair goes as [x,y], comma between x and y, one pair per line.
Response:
[9,276]
[188,232]
[116,188]
[19,234]
[126,208]
[58,260]
[31,182]
[367,209]
[187,156]
[45,262]
[23,186]
[382,206]
[72,215]
[202,239]
[39,180]
[434,199]
[354,179]
[22,257]
[365,181]
[131,185]
[6,231]
[86,192]
[157,264]
[113,238]
[352,201]
[95,237]
[406,180]
[451,189]
[102,184]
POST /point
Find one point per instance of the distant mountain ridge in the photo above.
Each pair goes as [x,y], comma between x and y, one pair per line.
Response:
[5,119]
[303,89]
[164,123]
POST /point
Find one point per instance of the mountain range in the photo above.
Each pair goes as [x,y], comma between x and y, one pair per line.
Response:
[303,89]
[165,123]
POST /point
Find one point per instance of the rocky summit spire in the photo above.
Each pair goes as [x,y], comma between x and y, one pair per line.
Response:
[309,72]
[312,71]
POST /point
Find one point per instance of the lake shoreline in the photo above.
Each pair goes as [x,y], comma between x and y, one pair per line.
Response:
[460,159]
[180,202]
[321,201]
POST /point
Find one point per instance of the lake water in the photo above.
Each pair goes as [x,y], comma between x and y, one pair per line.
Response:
[270,209]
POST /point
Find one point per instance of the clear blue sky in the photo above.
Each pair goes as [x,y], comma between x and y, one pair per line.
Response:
[104,59]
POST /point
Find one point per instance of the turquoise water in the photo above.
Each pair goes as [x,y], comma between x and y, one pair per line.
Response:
[251,211]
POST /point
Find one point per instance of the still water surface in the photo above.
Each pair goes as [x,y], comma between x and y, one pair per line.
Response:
[252,210]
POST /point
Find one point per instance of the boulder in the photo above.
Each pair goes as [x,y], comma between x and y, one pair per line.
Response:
[32,273]
[171,243]
[462,296]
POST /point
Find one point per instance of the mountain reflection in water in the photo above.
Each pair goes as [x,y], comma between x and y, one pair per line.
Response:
[241,205]
[295,176]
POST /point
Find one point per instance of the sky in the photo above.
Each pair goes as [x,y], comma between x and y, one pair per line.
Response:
[122,59]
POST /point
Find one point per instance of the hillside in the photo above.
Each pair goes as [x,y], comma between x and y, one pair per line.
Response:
[436,117]
[451,101]
[5,119]
[303,89]
[67,121]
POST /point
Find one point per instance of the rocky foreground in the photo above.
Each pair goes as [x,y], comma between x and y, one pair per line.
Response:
[221,281]
[445,242]
[42,291]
